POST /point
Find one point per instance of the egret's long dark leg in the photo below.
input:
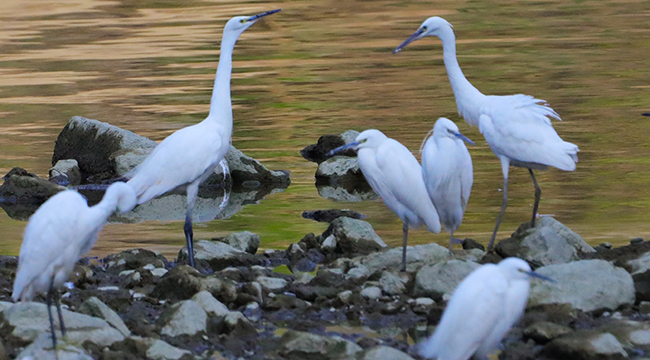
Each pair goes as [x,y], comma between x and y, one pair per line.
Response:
[505,166]
[405,235]
[58,309]
[192,192]
[48,301]
[538,195]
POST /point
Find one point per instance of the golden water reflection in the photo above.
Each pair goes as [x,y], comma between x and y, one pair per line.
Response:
[324,67]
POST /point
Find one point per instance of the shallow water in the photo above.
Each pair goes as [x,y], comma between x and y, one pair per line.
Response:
[324,67]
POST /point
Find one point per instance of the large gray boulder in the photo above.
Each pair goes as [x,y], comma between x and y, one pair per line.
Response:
[416,257]
[587,285]
[183,318]
[24,187]
[243,240]
[436,280]
[354,236]
[95,307]
[219,255]
[210,305]
[30,319]
[549,242]
[298,345]
[41,349]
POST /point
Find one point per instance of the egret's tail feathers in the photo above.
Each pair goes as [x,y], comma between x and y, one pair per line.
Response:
[567,157]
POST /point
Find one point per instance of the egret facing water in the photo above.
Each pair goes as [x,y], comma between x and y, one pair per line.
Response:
[517,127]
[396,175]
[62,230]
[190,155]
[448,174]
[483,308]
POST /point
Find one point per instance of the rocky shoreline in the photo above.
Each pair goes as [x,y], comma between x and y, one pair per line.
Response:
[337,295]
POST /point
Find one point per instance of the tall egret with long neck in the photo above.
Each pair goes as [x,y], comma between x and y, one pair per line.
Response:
[517,127]
[483,308]
[188,156]
[448,174]
[395,174]
[62,230]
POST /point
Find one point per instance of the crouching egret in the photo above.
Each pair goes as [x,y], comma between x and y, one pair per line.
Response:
[448,175]
[517,127]
[483,308]
[62,230]
[396,175]
[188,156]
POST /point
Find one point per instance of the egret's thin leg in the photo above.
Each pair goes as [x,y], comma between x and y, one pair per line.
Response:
[405,235]
[58,309]
[505,166]
[192,193]
[48,301]
[538,195]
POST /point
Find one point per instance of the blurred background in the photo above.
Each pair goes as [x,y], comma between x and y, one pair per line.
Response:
[326,66]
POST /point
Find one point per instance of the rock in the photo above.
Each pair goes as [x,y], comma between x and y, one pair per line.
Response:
[183,318]
[318,152]
[442,278]
[358,272]
[183,281]
[160,350]
[550,242]
[416,257]
[271,283]
[384,353]
[235,322]
[330,215]
[95,307]
[219,255]
[354,236]
[30,319]
[243,240]
[41,349]
[103,151]
[210,305]
[26,188]
[298,345]
[371,293]
[66,173]
[644,307]
[629,333]
[392,283]
[544,331]
[601,285]
[245,170]
[355,192]
[134,259]
[345,296]
[341,170]
[329,245]
[586,345]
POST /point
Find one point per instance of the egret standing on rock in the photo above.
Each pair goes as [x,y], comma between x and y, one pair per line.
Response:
[190,155]
[448,174]
[517,127]
[62,230]
[483,308]
[396,175]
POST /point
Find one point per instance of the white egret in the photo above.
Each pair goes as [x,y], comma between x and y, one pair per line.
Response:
[448,174]
[188,156]
[62,230]
[517,127]
[485,305]
[395,174]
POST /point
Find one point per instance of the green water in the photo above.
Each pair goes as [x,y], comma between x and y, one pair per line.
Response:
[324,67]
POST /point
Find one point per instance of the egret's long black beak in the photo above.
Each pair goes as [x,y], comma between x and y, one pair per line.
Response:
[534,274]
[464,138]
[411,38]
[351,145]
[255,17]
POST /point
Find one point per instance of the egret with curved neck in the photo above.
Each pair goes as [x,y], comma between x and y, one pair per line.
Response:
[62,230]
[190,155]
[517,127]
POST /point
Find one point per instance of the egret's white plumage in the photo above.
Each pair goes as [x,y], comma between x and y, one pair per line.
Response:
[517,127]
[485,305]
[188,156]
[448,174]
[62,230]
[395,174]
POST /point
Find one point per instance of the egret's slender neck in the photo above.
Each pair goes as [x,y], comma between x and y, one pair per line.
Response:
[466,94]
[98,214]
[221,105]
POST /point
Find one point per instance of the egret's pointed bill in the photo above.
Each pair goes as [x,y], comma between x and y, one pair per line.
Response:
[537,275]
[255,17]
[464,138]
[415,36]
[353,144]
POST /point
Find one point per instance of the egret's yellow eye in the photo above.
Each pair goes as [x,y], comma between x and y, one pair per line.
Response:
[243,21]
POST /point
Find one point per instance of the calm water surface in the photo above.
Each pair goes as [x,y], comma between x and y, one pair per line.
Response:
[324,67]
